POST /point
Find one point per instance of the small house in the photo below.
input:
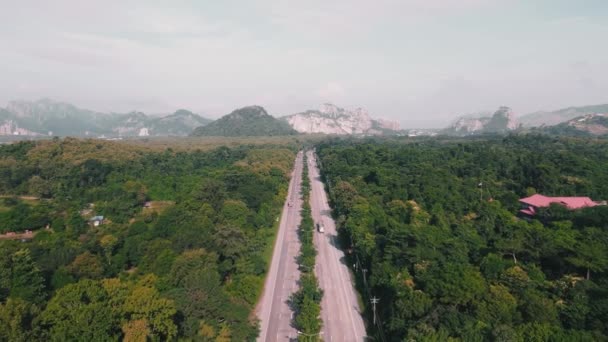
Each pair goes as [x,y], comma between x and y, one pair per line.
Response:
[96,220]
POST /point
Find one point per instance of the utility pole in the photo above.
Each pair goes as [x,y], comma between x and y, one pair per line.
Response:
[375,301]
[364,279]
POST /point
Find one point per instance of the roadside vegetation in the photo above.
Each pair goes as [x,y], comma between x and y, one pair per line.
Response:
[180,253]
[434,235]
[307,300]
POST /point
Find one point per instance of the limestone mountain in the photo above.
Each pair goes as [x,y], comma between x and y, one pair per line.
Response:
[331,119]
[182,122]
[246,121]
[502,121]
[586,125]
[47,117]
[550,118]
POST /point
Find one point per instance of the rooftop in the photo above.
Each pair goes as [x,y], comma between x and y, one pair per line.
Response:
[541,201]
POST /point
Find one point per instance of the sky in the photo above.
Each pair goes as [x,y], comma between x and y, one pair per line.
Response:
[419,62]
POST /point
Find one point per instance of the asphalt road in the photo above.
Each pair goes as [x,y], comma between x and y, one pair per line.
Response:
[273,309]
[340,310]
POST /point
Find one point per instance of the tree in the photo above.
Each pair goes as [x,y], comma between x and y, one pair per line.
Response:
[205,331]
[201,297]
[538,308]
[235,213]
[189,262]
[453,283]
[76,224]
[344,196]
[108,242]
[26,281]
[224,335]
[591,252]
[512,242]
[145,302]
[492,266]
[81,311]
[498,306]
[137,191]
[136,331]
[229,241]
[39,187]
[212,192]
[307,321]
[86,265]
[17,320]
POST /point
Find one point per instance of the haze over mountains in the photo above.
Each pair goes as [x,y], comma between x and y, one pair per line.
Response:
[502,121]
[585,120]
[586,125]
[49,118]
[550,118]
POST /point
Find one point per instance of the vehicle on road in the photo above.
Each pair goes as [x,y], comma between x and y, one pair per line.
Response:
[320,228]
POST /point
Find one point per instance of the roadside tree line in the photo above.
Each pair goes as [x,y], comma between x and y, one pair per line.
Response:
[307,300]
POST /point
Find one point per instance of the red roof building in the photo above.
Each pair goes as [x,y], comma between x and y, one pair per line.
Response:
[531,204]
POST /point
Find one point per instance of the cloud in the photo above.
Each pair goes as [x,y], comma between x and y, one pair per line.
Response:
[352,16]
[412,60]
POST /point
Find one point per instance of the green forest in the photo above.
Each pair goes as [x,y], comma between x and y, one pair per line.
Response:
[430,226]
[181,252]
[432,230]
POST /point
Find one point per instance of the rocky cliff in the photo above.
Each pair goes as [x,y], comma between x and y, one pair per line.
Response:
[502,121]
[331,119]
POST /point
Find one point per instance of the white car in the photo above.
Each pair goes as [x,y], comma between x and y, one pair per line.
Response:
[320,228]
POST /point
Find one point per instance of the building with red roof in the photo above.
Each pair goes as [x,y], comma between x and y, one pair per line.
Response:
[530,205]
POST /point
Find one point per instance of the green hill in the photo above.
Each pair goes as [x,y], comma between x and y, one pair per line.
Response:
[583,126]
[550,118]
[246,121]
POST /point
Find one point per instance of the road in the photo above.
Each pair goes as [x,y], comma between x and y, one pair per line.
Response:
[273,309]
[340,310]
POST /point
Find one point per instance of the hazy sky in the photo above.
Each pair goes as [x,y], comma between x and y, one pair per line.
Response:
[421,62]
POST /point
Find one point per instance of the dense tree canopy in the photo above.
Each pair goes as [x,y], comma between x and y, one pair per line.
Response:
[434,224]
[181,253]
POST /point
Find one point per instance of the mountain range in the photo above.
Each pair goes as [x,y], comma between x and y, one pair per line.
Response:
[578,121]
[329,119]
[586,125]
[49,118]
[550,118]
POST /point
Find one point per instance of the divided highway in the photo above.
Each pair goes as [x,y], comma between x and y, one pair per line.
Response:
[340,310]
[273,310]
